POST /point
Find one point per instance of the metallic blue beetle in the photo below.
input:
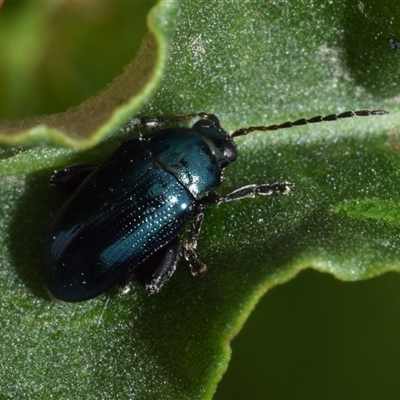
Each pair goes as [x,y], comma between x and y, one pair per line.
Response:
[125,216]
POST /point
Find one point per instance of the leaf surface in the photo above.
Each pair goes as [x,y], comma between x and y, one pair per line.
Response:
[250,63]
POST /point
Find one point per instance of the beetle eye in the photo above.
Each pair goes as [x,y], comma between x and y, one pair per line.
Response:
[230,151]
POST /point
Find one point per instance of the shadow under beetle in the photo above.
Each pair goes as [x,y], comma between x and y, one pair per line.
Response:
[124,216]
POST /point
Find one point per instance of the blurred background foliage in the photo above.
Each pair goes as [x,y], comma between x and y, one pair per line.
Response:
[62,52]
[316,337]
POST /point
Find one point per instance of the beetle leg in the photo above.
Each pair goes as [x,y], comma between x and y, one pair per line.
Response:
[69,179]
[158,269]
[190,243]
[251,191]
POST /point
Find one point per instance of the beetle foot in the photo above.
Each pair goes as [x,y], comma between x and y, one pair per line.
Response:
[123,290]
[196,266]
[152,288]
[124,287]
[198,269]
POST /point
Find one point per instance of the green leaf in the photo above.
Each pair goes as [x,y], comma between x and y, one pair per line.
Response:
[250,63]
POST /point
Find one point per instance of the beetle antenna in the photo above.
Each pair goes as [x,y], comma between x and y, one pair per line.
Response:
[305,121]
